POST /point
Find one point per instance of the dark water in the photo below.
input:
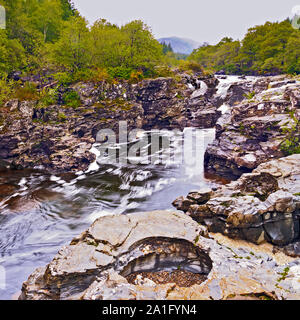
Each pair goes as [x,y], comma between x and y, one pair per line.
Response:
[39,213]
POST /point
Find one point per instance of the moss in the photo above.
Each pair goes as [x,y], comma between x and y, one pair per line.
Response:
[62,117]
[283,274]
[179,96]
[250,95]
[71,99]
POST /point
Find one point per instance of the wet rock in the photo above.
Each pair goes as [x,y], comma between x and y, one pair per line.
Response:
[260,206]
[255,130]
[59,138]
[157,255]
[201,196]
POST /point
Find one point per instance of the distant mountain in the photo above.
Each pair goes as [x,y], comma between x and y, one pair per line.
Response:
[181,45]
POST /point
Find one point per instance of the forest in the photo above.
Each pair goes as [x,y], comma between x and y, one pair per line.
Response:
[271,48]
[50,37]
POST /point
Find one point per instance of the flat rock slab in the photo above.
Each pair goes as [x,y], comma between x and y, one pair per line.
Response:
[95,265]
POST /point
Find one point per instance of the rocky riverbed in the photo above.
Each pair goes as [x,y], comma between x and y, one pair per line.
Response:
[128,253]
[59,138]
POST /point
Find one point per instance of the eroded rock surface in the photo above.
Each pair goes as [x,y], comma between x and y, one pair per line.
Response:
[58,138]
[264,126]
[97,264]
[260,206]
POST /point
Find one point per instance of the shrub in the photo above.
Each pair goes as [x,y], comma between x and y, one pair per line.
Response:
[136,76]
[163,71]
[291,144]
[122,73]
[6,89]
[190,66]
[100,75]
[49,98]
[27,92]
[61,117]
[250,95]
[63,78]
[71,99]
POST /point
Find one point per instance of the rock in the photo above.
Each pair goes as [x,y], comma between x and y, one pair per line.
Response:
[59,138]
[262,206]
[200,92]
[26,108]
[257,129]
[201,196]
[98,264]
[12,104]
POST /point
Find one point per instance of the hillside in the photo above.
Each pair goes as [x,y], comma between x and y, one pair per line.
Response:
[180,45]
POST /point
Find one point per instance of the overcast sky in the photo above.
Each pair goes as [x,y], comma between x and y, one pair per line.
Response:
[200,20]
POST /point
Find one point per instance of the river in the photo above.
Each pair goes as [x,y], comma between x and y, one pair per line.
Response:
[41,212]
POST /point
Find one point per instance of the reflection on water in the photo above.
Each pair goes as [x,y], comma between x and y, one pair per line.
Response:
[39,212]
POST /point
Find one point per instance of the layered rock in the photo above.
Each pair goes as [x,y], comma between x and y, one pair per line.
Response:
[262,127]
[58,138]
[260,206]
[97,264]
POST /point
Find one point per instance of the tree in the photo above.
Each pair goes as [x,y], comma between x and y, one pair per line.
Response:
[292,54]
[142,49]
[72,50]
[48,18]
[12,54]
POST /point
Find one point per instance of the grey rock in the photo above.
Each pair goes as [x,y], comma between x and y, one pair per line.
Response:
[95,265]
[262,206]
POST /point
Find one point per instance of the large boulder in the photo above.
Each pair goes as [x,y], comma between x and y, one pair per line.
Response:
[262,127]
[157,255]
[262,206]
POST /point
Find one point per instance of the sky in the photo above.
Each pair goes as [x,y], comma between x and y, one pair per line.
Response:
[200,20]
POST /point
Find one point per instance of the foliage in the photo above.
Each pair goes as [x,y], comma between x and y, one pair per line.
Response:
[63,78]
[71,99]
[49,98]
[72,50]
[167,48]
[123,50]
[119,72]
[266,49]
[6,90]
[190,65]
[136,76]
[250,95]
[61,117]
[291,143]
[27,92]
[12,54]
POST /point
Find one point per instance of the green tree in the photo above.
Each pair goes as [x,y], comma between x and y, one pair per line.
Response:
[142,50]
[72,50]
[12,54]
[292,54]
[48,18]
